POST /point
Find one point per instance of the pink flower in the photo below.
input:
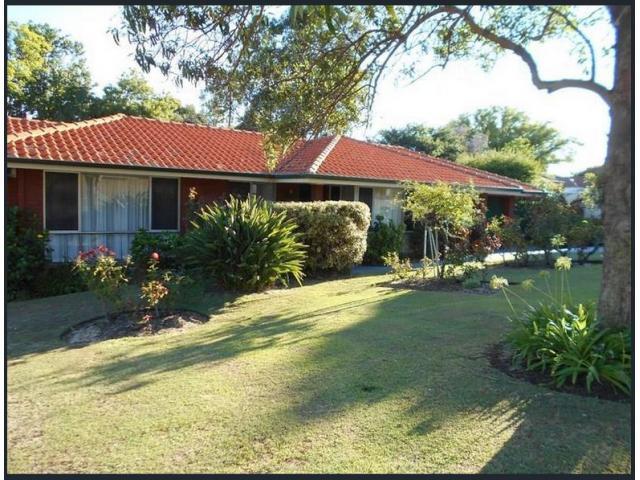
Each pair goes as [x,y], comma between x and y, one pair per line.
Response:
[155,256]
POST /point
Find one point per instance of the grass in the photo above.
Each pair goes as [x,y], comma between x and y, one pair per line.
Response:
[340,376]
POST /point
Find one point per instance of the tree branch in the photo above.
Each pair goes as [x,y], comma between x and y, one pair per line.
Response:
[508,44]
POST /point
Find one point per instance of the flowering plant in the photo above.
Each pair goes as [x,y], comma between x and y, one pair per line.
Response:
[161,286]
[104,276]
[565,339]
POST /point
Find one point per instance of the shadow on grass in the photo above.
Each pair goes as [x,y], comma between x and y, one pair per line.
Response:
[424,347]
[35,326]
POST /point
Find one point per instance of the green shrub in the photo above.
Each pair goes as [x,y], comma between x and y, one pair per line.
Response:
[335,232]
[568,343]
[105,277]
[383,238]
[512,238]
[27,252]
[167,245]
[400,269]
[244,245]
[566,340]
[57,279]
[543,219]
[164,289]
[585,236]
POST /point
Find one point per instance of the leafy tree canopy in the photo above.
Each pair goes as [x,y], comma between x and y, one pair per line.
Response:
[516,161]
[133,95]
[316,69]
[46,74]
[504,126]
[592,194]
[443,142]
[47,77]
[441,206]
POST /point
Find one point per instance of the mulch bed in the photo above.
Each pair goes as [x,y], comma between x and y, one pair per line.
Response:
[129,324]
[499,358]
[432,285]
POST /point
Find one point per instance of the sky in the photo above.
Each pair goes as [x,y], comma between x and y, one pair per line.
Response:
[434,100]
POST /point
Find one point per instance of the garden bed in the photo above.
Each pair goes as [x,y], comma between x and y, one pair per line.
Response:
[500,359]
[434,285]
[130,324]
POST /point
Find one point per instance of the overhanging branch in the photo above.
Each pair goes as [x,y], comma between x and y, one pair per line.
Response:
[508,44]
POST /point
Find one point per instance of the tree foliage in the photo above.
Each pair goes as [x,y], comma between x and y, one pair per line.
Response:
[47,77]
[133,95]
[495,128]
[314,69]
[443,142]
[512,162]
[46,74]
[591,196]
[505,127]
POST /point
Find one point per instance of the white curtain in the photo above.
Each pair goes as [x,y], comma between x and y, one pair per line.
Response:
[114,204]
[112,208]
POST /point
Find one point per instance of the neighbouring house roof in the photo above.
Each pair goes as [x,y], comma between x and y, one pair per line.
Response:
[122,140]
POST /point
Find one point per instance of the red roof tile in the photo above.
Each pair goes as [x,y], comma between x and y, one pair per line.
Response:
[355,158]
[135,141]
[21,125]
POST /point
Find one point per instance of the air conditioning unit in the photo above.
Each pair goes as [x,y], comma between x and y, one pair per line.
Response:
[12,172]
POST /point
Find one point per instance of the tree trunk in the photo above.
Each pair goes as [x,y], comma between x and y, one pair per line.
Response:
[614,308]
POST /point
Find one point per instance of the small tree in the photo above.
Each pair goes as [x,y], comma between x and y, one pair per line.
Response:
[545,219]
[447,212]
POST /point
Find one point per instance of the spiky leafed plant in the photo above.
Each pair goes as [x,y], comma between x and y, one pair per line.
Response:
[244,245]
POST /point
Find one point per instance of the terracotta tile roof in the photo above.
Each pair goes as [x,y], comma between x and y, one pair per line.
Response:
[302,155]
[22,125]
[356,158]
[135,141]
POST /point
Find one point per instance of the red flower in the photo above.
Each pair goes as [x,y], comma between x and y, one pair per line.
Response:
[155,256]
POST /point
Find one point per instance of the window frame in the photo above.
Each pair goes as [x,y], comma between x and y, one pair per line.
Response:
[44,201]
[79,204]
[178,219]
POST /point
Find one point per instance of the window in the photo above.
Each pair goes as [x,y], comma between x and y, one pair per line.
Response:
[408,221]
[495,207]
[114,203]
[342,192]
[304,192]
[365,195]
[164,204]
[61,201]
[239,189]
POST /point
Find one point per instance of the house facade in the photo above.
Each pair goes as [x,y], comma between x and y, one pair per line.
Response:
[100,181]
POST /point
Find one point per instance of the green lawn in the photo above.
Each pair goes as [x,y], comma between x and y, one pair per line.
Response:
[339,376]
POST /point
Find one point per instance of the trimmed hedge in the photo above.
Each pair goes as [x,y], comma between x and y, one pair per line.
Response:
[384,237]
[335,232]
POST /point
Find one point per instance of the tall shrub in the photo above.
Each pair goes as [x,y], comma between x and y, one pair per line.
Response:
[166,245]
[244,245]
[543,220]
[334,231]
[383,238]
[27,251]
